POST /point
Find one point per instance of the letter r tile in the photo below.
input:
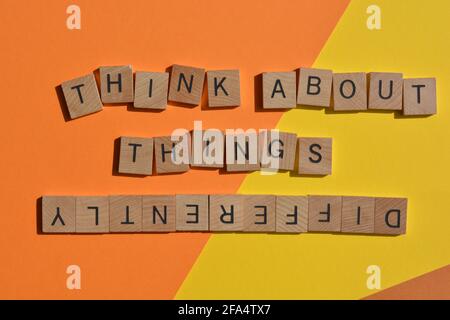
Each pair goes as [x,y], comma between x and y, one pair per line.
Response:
[226,213]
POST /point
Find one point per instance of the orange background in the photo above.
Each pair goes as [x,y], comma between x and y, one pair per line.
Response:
[42,154]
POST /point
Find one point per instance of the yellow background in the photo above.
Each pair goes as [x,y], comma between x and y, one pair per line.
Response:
[375,153]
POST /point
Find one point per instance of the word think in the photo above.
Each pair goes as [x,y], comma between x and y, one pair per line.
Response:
[316,87]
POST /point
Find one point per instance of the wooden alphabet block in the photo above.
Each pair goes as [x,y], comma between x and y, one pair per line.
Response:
[82,96]
[314,87]
[58,214]
[226,213]
[125,213]
[259,213]
[358,214]
[291,214]
[186,84]
[116,84]
[350,91]
[136,155]
[278,149]
[192,212]
[419,96]
[390,215]
[242,151]
[385,90]
[151,89]
[158,213]
[92,214]
[279,90]
[172,153]
[315,156]
[208,148]
[324,213]
[224,88]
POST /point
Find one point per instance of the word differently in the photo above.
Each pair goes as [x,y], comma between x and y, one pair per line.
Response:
[280,90]
[237,150]
[221,213]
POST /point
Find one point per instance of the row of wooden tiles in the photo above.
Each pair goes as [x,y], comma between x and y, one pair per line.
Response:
[356,91]
[270,149]
[223,213]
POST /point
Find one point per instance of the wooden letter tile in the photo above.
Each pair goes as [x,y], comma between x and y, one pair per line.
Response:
[226,213]
[125,213]
[82,96]
[385,90]
[151,90]
[291,214]
[58,214]
[92,214]
[224,88]
[136,155]
[279,90]
[116,84]
[192,212]
[186,84]
[324,213]
[350,91]
[158,213]
[315,156]
[358,214]
[172,155]
[242,151]
[390,215]
[419,96]
[259,213]
[208,148]
[278,149]
[314,87]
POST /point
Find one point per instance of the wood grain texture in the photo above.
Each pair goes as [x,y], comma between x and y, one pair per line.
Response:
[279,90]
[324,213]
[358,214]
[259,213]
[350,91]
[241,152]
[390,215]
[291,214]
[115,93]
[419,96]
[167,157]
[192,212]
[315,156]
[186,84]
[58,214]
[92,214]
[136,155]
[217,213]
[151,90]
[226,213]
[385,91]
[314,87]
[224,88]
[125,213]
[208,149]
[277,149]
[158,213]
[82,96]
